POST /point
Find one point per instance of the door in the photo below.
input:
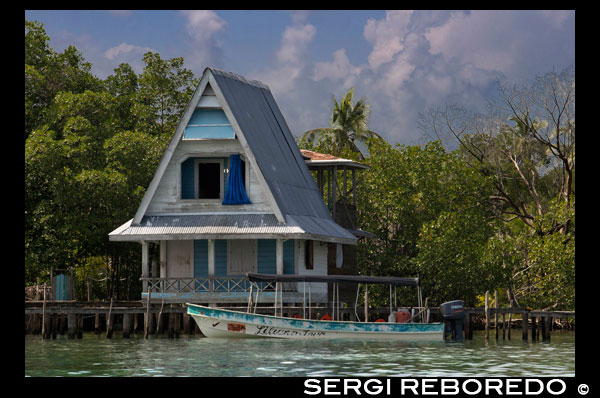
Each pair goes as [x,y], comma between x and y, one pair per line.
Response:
[241,256]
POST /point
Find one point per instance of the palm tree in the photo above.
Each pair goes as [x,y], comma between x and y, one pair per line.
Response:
[348,125]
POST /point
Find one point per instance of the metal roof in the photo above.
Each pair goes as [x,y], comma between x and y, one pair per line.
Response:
[277,154]
[224,226]
[298,202]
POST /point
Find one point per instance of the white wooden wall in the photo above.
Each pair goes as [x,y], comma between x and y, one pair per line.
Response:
[168,193]
[319,265]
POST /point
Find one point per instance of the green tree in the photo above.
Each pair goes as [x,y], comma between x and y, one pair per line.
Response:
[349,125]
[48,72]
[165,88]
[419,202]
[91,149]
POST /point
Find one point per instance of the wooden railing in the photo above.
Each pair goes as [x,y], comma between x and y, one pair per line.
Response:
[205,284]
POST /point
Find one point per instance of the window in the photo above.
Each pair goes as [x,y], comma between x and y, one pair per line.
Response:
[206,178]
[208,124]
[209,180]
[308,254]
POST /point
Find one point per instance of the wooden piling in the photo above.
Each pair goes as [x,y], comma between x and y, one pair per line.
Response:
[126,325]
[135,322]
[525,324]
[533,329]
[178,319]
[71,325]
[509,324]
[543,327]
[186,324]
[171,331]
[487,315]
[44,314]
[97,327]
[80,326]
[547,328]
[467,326]
[496,314]
[54,327]
[159,324]
[109,321]
[503,326]
[147,315]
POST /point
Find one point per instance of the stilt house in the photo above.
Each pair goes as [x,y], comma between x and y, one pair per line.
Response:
[233,194]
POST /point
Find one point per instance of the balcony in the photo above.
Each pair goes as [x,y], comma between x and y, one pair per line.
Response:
[224,290]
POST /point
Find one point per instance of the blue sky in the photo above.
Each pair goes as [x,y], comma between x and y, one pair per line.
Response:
[402,61]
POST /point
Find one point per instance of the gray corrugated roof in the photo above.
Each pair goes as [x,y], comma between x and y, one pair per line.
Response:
[297,199]
[240,226]
[277,154]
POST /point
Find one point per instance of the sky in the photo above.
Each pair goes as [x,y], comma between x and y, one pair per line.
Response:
[403,62]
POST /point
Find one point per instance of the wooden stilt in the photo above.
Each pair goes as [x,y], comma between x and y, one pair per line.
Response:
[548,328]
[533,329]
[63,324]
[543,327]
[80,326]
[186,324]
[525,325]
[487,315]
[71,325]
[97,327]
[467,325]
[126,325]
[503,326]
[147,317]
[178,318]
[496,314]
[171,332]
[109,321]
[509,324]
[44,315]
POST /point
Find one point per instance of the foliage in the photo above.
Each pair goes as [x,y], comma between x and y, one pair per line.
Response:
[526,145]
[91,148]
[348,126]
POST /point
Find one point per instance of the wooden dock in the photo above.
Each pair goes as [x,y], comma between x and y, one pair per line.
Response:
[57,317]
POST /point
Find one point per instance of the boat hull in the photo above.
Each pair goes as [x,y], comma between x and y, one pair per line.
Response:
[216,322]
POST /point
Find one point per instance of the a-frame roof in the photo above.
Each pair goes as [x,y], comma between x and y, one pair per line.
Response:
[270,146]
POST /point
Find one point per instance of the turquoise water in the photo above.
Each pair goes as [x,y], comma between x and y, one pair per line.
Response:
[94,355]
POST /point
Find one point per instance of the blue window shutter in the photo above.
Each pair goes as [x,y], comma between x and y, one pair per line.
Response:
[187,179]
[266,256]
[288,256]
[200,258]
[220,257]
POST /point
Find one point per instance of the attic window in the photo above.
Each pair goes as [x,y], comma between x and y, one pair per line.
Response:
[209,180]
[208,123]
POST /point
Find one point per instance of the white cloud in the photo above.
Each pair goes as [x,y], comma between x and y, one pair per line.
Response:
[291,57]
[125,48]
[204,27]
[203,24]
[387,36]
[294,42]
[339,69]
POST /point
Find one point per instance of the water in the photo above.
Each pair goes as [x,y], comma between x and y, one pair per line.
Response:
[94,355]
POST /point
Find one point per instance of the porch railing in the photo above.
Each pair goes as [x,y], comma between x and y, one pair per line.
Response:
[204,284]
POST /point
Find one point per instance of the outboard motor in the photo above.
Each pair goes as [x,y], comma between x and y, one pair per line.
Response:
[453,313]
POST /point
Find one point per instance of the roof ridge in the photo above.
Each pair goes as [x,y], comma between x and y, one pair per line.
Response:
[235,76]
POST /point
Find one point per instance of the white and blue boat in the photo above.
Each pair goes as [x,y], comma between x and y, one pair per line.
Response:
[219,322]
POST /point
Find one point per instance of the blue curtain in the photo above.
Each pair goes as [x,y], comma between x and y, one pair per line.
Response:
[235,193]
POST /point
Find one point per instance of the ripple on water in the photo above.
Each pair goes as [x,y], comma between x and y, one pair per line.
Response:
[194,356]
